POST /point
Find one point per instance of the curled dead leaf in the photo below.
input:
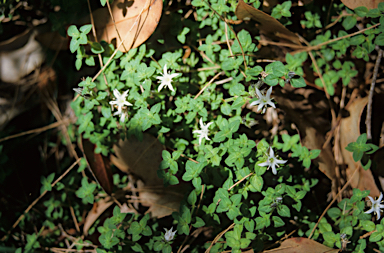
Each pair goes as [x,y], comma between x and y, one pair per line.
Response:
[162,201]
[98,165]
[349,131]
[268,25]
[135,22]
[303,245]
[371,4]
[142,159]
[95,212]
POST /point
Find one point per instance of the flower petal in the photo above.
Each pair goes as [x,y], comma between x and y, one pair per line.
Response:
[259,93]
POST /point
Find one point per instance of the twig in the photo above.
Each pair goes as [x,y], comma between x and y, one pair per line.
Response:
[95,36]
[334,40]
[333,23]
[282,44]
[370,96]
[241,180]
[37,130]
[114,23]
[339,117]
[333,200]
[120,44]
[36,200]
[211,81]
[230,27]
[219,236]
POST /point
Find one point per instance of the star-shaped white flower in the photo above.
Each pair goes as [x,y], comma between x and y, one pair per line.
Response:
[169,234]
[376,206]
[166,79]
[120,102]
[203,133]
[272,161]
[263,100]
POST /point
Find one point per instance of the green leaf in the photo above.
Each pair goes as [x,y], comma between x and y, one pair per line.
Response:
[90,61]
[375,237]
[192,170]
[277,221]
[361,11]
[271,80]
[298,82]
[380,39]
[96,48]
[199,223]
[86,28]
[367,225]
[83,39]
[357,40]
[192,198]
[244,243]
[78,63]
[256,183]
[136,247]
[74,45]
[73,32]
[334,212]
[226,109]
[284,211]
[349,22]
[373,13]
[181,37]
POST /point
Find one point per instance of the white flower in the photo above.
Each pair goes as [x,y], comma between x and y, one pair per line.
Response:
[263,101]
[376,206]
[120,102]
[169,234]
[203,133]
[166,79]
[272,161]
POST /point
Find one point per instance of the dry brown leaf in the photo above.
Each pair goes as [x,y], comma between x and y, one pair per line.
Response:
[349,131]
[92,216]
[142,159]
[268,25]
[98,165]
[19,62]
[53,40]
[161,201]
[302,245]
[310,125]
[135,21]
[370,4]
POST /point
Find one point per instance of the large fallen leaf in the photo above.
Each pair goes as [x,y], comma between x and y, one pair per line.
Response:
[268,25]
[95,212]
[19,62]
[370,4]
[142,160]
[162,201]
[299,105]
[349,131]
[98,165]
[135,22]
[302,245]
